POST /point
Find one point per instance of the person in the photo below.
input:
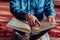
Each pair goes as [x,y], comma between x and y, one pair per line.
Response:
[34,11]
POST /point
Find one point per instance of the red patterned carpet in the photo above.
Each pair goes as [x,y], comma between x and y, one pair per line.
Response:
[56,31]
[5,16]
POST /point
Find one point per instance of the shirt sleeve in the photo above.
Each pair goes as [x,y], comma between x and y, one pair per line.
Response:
[49,8]
[16,9]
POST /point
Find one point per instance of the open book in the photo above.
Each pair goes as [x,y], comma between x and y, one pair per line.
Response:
[24,27]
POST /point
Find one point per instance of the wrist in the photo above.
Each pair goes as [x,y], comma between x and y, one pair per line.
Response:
[50,16]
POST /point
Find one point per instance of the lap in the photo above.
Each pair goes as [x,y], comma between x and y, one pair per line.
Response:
[18,36]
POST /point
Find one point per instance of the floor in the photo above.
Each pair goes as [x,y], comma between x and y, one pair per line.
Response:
[53,38]
[5,38]
[4,9]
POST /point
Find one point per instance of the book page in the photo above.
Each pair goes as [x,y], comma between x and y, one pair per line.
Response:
[18,25]
[22,26]
[44,26]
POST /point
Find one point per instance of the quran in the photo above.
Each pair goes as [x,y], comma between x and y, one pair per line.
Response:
[24,27]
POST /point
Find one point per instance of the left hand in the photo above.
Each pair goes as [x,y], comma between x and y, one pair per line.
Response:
[51,19]
[32,20]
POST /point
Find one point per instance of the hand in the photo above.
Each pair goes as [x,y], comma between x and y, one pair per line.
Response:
[32,20]
[51,19]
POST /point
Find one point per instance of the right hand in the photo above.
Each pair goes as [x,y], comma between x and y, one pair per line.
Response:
[32,20]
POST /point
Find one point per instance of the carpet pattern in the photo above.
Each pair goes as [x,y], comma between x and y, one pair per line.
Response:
[5,16]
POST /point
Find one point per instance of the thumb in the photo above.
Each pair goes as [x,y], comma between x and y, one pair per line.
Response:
[53,20]
[49,19]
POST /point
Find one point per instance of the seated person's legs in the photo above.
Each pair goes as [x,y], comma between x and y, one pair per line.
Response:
[45,37]
[17,36]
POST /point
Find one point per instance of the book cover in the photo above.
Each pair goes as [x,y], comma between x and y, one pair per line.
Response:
[24,27]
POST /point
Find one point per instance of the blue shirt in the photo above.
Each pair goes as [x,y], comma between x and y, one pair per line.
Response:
[38,8]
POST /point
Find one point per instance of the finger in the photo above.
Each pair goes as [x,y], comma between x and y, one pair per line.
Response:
[49,19]
[31,22]
[53,20]
[28,18]
[38,22]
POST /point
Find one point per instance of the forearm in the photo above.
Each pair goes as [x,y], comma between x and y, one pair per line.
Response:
[49,8]
[19,15]
[16,10]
